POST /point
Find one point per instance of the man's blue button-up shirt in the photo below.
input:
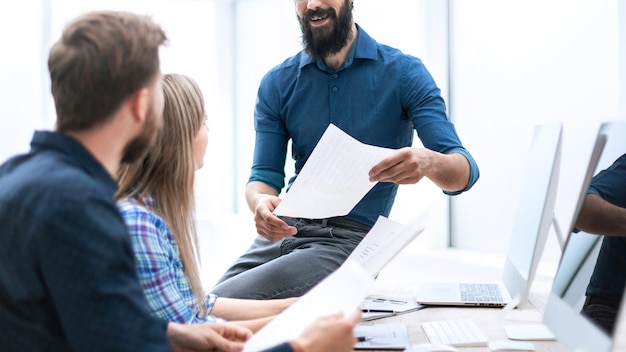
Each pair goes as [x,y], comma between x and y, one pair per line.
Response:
[378,96]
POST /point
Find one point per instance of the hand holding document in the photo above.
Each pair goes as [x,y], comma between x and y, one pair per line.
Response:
[334,179]
[341,291]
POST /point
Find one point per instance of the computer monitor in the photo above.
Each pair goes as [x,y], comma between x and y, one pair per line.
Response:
[534,214]
[535,211]
[562,314]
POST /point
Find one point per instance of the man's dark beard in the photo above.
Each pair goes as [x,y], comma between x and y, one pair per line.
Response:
[323,42]
[139,146]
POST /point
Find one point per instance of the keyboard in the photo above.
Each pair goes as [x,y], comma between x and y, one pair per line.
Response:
[480,293]
[455,332]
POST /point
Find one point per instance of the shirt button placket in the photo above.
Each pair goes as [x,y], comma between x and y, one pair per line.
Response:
[334,99]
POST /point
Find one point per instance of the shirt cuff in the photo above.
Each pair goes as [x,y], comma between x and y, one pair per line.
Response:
[474,172]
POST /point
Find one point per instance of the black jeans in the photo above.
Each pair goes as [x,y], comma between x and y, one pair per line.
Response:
[602,310]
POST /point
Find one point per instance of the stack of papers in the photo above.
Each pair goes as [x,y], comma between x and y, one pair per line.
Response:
[377,308]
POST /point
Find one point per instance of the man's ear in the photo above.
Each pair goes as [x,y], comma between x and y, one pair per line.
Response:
[139,104]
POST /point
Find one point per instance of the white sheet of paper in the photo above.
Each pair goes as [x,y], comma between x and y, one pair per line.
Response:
[389,336]
[384,241]
[334,179]
[341,291]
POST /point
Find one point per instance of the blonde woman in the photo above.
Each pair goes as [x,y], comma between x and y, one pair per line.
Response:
[156,199]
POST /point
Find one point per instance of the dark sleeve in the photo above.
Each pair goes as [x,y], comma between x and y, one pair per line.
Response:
[88,268]
[610,184]
[283,347]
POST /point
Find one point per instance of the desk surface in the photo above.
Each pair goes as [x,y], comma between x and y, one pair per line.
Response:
[403,274]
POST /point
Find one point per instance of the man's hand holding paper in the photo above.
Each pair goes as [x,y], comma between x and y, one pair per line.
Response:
[334,179]
[267,224]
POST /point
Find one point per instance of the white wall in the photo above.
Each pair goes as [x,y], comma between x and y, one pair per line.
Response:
[22,74]
[517,64]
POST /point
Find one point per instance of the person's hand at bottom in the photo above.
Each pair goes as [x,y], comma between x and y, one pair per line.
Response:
[329,333]
[207,337]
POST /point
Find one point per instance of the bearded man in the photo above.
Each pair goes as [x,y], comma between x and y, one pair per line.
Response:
[67,273]
[373,92]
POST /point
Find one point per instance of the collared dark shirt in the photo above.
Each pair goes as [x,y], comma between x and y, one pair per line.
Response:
[379,96]
[609,275]
[67,273]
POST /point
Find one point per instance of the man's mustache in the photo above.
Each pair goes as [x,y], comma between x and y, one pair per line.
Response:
[309,14]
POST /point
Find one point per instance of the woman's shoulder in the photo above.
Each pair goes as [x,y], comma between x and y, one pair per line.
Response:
[136,213]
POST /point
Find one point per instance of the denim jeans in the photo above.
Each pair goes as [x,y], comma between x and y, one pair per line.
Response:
[291,266]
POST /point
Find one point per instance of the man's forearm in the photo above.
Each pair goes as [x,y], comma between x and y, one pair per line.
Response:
[450,172]
[256,190]
[600,217]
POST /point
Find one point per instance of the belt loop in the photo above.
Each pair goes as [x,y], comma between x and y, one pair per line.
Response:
[324,222]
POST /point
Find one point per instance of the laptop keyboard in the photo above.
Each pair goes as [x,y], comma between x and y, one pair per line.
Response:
[480,293]
[456,332]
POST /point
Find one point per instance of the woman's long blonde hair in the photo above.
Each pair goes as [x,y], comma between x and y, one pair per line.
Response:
[167,173]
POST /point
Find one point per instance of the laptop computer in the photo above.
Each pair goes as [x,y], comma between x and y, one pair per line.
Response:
[535,213]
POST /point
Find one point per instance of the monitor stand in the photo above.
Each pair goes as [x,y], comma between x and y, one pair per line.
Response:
[535,331]
[538,332]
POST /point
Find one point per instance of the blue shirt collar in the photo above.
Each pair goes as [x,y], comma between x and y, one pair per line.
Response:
[66,145]
[364,47]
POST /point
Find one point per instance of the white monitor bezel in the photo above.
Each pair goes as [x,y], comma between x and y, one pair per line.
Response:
[545,154]
[569,326]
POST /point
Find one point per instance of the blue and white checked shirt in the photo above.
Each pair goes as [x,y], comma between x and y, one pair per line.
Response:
[159,267]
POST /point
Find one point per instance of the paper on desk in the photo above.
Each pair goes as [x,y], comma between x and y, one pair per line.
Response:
[387,305]
[384,241]
[341,291]
[334,179]
[389,336]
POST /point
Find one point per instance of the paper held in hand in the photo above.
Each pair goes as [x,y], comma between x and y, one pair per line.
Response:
[341,291]
[334,179]
[384,240]
[344,289]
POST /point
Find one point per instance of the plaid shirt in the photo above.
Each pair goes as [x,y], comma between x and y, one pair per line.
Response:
[159,267]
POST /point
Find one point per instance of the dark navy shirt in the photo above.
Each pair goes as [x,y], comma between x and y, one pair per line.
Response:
[67,275]
[379,96]
[283,347]
[609,275]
